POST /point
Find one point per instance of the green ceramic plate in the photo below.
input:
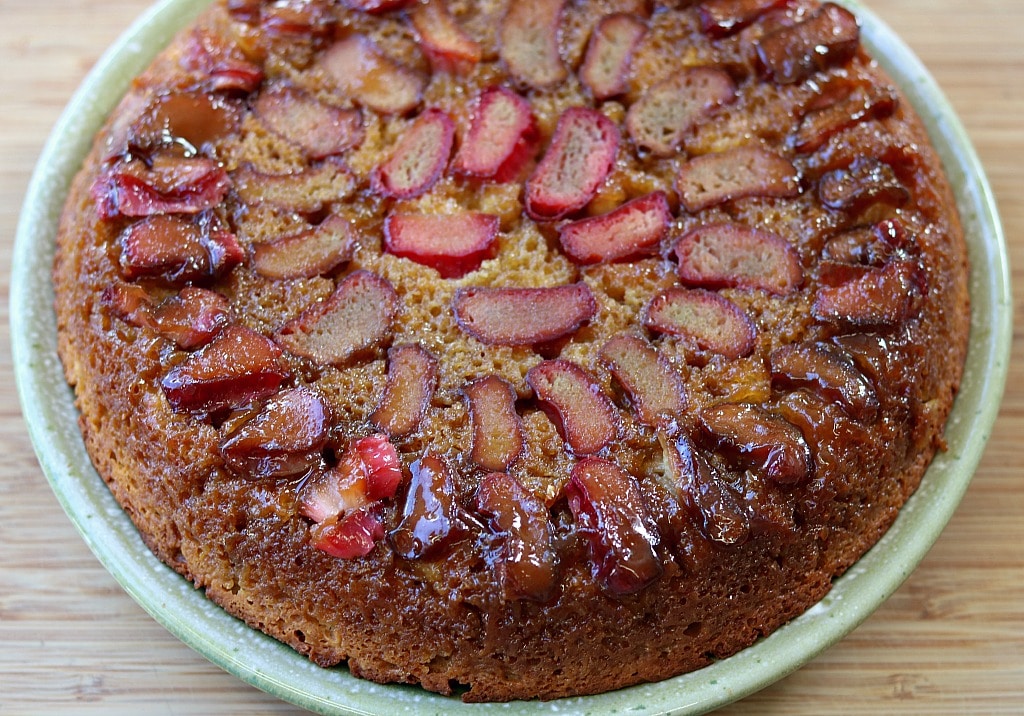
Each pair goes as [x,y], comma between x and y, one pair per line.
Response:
[268,665]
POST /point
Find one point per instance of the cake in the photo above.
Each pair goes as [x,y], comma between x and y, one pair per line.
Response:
[517,350]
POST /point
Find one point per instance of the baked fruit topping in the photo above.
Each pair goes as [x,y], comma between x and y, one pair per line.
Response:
[517,349]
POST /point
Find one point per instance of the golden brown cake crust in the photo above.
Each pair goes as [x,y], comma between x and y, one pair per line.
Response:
[867,287]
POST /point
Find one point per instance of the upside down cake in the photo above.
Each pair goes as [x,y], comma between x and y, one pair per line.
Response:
[518,350]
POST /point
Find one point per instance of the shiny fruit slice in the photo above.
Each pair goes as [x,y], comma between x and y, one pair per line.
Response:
[361,70]
[829,37]
[725,255]
[529,43]
[419,159]
[719,18]
[497,428]
[872,297]
[239,367]
[320,129]
[747,171]
[525,561]
[637,227]
[348,536]
[576,163]
[829,371]
[368,471]
[168,184]
[860,186]
[585,416]
[759,440]
[502,136]
[513,316]
[430,520]
[356,319]
[177,250]
[314,252]
[605,68]
[861,105]
[656,391]
[705,318]
[611,515]
[453,244]
[192,317]
[284,438]
[411,382]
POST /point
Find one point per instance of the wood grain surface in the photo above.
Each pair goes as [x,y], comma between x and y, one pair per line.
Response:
[950,641]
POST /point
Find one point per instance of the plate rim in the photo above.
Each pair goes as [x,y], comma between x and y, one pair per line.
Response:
[113,539]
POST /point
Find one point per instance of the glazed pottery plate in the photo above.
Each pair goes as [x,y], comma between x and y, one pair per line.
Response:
[264,663]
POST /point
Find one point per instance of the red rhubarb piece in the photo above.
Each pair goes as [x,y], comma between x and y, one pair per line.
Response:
[497,428]
[306,192]
[705,318]
[501,137]
[708,499]
[239,367]
[637,227]
[411,381]
[868,245]
[130,303]
[861,105]
[348,536]
[580,156]
[609,511]
[376,6]
[748,171]
[419,158]
[170,184]
[585,415]
[605,69]
[221,66]
[362,71]
[829,371]
[667,111]
[198,119]
[656,391]
[309,253]
[829,37]
[759,440]
[320,129]
[872,297]
[442,40]
[284,438]
[863,184]
[454,244]
[515,316]
[355,320]
[529,43]
[525,560]
[719,18]
[732,255]
[192,318]
[177,250]
[382,466]
[367,471]
[430,520]
[297,19]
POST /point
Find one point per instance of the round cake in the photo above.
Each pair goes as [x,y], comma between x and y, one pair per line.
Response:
[518,350]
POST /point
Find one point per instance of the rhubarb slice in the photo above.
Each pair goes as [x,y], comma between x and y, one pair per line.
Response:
[368,471]
[306,192]
[192,318]
[197,119]
[431,519]
[667,111]
[579,158]
[709,501]
[169,184]
[297,19]
[498,437]
[872,297]
[309,253]
[759,440]
[376,7]
[354,321]
[863,184]
[861,105]
[220,66]
[719,18]
[130,303]
[610,514]
[362,71]
[282,439]
[419,158]
[515,316]
[731,255]
[637,227]
[605,69]
[177,250]
[348,536]
[525,561]
[656,391]
[501,136]
[442,40]
[320,129]
[411,382]
[867,245]
[453,244]
[748,171]
[529,43]
[239,367]
[829,37]
[585,416]
[705,318]
[829,371]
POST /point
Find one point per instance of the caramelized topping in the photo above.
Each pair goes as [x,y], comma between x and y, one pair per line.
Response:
[431,518]
[829,37]
[177,251]
[759,440]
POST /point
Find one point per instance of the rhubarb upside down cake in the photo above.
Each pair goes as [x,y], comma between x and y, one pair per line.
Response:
[515,349]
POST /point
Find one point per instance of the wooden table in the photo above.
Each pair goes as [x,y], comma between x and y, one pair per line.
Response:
[951,640]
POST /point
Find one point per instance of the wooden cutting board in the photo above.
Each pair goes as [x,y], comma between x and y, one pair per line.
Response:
[951,640]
